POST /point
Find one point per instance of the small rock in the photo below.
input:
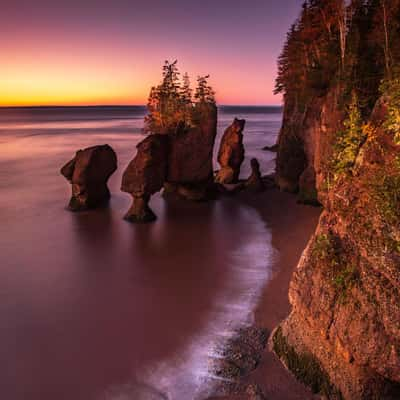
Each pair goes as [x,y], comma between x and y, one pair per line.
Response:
[255,182]
[273,148]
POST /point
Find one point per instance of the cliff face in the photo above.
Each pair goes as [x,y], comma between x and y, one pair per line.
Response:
[305,143]
[343,334]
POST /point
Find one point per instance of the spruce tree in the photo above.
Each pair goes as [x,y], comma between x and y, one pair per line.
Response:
[170,104]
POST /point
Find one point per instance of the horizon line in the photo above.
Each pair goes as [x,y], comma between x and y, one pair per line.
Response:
[126,105]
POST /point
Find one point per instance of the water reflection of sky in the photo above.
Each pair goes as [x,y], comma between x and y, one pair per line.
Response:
[95,298]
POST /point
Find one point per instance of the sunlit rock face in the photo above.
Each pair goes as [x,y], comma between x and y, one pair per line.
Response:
[88,173]
[179,162]
[343,335]
[190,156]
[145,175]
[231,153]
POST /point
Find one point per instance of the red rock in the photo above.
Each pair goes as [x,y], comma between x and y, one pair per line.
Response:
[255,182]
[88,173]
[345,292]
[145,175]
[181,162]
[191,150]
[231,153]
[190,156]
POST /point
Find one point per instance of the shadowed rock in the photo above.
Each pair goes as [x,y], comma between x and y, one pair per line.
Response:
[231,153]
[238,359]
[88,173]
[273,148]
[255,182]
[145,175]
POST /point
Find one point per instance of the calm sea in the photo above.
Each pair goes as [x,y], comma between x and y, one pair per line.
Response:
[94,308]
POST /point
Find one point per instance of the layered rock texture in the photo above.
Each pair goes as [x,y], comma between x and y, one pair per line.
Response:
[179,162]
[145,175]
[343,335]
[231,153]
[88,173]
[190,157]
[340,146]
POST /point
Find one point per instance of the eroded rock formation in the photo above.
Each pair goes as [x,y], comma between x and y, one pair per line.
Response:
[255,182]
[190,156]
[88,173]
[145,175]
[343,335]
[181,162]
[231,153]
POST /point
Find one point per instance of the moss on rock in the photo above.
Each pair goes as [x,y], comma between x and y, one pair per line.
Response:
[304,366]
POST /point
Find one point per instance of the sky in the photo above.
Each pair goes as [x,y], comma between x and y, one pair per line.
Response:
[69,52]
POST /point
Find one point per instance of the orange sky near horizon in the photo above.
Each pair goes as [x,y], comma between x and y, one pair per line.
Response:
[56,78]
[104,56]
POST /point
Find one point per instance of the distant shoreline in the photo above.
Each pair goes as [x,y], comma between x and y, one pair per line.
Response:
[223,106]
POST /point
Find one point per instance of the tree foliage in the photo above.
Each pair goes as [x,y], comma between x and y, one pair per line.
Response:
[172,103]
[353,43]
[352,46]
[349,140]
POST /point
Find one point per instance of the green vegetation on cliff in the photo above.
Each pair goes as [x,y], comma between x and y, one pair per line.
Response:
[391,90]
[335,42]
[349,140]
[304,366]
[349,50]
[345,130]
[342,275]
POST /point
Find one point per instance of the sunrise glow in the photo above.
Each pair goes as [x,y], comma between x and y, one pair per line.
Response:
[54,56]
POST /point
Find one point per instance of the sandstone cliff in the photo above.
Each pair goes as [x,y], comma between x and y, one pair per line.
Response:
[343,335]
[340,146]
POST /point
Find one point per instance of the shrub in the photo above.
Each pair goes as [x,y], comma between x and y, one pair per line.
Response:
[391,89]
[349,141]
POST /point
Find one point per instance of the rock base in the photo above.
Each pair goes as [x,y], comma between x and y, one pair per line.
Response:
[227,175]
[192,192]
[140,212]
[83,199]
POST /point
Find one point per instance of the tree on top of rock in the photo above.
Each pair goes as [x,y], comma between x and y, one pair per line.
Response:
[204,92]
[171,103]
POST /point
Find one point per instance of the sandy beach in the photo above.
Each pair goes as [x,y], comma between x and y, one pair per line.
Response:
[292,225]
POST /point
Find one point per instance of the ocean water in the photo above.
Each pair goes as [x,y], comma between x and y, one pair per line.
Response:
[95,308]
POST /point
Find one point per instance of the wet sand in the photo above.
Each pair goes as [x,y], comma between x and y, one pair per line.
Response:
[291,225]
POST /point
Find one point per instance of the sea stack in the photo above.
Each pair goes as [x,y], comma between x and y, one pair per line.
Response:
[231,153]
[255,182]
[88,173]
[190,156]
[145,175]
[178,153]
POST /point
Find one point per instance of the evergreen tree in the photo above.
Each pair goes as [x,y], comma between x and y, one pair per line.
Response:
[186,91]
[204,92]
[170,104]
[186,96]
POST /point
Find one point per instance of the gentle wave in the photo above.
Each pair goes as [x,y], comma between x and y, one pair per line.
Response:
[187,376]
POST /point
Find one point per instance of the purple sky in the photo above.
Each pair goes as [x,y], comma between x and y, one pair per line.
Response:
[91,52]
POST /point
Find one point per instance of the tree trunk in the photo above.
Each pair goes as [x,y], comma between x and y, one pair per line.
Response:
[387,46]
